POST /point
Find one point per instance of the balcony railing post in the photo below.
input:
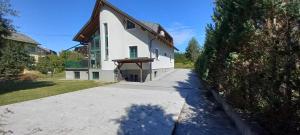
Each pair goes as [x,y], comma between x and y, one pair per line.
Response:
[89,59]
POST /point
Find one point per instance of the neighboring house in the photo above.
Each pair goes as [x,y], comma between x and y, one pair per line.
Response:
[31,46]
[122,48]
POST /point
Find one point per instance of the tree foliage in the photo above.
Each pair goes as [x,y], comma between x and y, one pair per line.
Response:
[56,64]
[13,58]
[251,54]
[6,25]
[193,50]
[50,63]
[13,61]
[71,56]
[180,57]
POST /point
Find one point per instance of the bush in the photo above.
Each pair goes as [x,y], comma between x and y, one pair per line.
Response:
[50,63]
[251,54]
[13,61]
[28,77]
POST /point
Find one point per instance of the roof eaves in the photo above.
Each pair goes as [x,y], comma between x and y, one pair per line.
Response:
[89,21]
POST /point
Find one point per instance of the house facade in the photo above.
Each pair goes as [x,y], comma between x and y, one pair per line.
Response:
[122,48]
[31,46]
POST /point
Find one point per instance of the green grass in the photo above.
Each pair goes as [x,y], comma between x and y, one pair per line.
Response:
[188,65]
[18,91]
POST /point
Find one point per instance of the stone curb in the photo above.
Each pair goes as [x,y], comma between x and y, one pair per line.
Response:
[243,127]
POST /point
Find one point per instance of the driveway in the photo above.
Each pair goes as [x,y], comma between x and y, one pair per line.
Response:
[150,108]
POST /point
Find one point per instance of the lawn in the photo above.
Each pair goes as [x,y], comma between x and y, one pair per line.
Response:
[18,91]
[188,65]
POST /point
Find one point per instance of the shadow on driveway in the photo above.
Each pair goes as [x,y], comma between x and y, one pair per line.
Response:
[201,115]
[145,120]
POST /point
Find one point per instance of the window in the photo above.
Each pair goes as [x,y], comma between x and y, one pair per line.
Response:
[106,40]
[130,25]
[156,54]
[95,51]
[31,49]
[133,52]
[95,41]
[133,78]
[77,75]
[96,75]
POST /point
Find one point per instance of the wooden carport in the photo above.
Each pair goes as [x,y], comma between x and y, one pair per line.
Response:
[138,61]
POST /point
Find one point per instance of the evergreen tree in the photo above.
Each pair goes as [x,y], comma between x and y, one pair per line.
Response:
[13,61]
[193,50]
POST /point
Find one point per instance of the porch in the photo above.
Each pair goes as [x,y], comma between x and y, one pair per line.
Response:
[131,74]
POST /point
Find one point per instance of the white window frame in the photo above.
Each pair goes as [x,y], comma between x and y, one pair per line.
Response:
[137,50]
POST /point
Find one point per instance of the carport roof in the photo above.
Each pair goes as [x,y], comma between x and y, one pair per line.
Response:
[135,60]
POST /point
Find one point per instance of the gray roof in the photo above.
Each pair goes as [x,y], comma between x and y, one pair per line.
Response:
[21,38]
[45,49]
[153,26]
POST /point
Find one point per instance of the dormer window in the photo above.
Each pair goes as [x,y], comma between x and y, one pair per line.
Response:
[130,25]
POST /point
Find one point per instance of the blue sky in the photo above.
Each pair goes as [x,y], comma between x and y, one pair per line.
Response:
[53,23]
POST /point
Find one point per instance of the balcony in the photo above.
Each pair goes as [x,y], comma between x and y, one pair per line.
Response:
[81,64]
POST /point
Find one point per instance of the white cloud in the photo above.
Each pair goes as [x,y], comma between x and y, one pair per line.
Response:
[181,33]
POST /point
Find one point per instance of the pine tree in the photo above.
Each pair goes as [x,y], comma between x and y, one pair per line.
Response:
[193,50]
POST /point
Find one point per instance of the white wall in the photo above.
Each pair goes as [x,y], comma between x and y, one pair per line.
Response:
[119,40]
[70,75]
[163,61]
[115,38]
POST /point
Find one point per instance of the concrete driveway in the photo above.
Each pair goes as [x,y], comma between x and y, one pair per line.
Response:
[151,108]
[123,108]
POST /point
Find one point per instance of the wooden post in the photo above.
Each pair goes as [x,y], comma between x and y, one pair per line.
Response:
[141,77]
[119,71]
[140,65]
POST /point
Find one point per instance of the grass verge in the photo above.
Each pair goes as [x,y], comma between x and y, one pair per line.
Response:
[19,91]
[184,65]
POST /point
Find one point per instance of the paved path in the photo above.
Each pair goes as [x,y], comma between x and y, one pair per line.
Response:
[201,115]
[150,108]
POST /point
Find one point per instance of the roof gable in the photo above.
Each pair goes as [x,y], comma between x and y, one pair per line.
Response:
[93,22]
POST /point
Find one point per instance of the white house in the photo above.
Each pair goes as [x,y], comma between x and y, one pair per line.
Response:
[122,48]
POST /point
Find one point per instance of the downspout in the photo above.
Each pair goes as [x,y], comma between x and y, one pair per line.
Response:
[150,51]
